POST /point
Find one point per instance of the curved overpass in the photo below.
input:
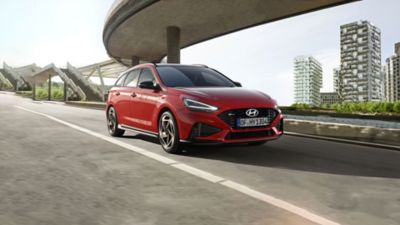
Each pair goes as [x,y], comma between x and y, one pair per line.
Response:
[147,30]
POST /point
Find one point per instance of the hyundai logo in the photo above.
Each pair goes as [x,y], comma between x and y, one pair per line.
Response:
[252,112]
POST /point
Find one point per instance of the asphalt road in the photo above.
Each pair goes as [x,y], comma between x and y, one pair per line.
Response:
[51,173]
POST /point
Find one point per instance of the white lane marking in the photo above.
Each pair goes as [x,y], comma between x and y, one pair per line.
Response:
[152,155]
[276,202]
[200,173]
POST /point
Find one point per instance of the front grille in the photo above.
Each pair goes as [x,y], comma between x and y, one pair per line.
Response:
[230,116]
[250,134]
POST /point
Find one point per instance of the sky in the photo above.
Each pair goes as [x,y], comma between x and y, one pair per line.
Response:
[46,31]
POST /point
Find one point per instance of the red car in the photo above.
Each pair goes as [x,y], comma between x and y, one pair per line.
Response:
[190,104]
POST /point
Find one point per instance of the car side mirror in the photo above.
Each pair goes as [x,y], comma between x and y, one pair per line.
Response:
[238,84]
[157,87]
[150,85]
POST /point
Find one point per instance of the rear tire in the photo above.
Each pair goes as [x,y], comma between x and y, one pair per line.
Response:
[168,133]
[112,123]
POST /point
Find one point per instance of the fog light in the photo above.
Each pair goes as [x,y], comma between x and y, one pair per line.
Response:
[279,125]
[203,130]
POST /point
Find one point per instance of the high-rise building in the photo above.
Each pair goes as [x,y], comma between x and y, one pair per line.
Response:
[307,80]
[360,62]
[336,80]
[392,76]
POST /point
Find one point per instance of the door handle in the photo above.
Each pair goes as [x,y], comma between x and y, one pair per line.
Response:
[117,93]
[133,95]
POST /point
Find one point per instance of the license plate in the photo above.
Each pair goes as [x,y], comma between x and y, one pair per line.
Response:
[252,122]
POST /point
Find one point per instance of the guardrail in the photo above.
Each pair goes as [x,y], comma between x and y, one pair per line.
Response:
[344,131]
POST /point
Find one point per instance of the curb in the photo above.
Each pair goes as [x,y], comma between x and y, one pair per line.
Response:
[7,93]
[91,105]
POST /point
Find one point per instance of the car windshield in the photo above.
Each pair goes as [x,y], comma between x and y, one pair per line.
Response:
[192,76]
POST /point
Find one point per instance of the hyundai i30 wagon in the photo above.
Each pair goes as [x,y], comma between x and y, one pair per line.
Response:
[190,104]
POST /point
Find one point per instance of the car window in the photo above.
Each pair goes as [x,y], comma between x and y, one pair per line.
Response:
[210,79]
[132,78]
[174,78]
[146,75]
[120,81]
[191,76]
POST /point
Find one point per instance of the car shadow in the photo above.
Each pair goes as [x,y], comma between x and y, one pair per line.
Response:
[142,137]
[307,154]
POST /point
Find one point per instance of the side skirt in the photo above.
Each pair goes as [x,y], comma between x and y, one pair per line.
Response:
[137,130]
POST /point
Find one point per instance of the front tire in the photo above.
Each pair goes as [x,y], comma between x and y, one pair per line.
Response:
[112,123]
[168,133]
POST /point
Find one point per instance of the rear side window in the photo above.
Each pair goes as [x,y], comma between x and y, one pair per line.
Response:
[132,78]
[120,81]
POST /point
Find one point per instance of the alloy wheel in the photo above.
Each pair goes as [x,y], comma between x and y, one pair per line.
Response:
[167,131]
[112,121]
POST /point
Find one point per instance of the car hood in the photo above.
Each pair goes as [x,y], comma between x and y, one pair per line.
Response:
[226,95]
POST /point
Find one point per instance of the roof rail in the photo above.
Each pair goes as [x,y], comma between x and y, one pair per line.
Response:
[201,65]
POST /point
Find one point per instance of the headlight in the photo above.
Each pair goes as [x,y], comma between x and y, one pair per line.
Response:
[198,106]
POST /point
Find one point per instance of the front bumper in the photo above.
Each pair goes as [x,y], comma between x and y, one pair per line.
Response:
[212,128]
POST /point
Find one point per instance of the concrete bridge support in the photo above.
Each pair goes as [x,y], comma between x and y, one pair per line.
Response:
[135,60]
[34,91]
[173,41]
[49,89]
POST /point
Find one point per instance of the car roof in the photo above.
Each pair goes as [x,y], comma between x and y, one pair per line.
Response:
[176,64]
[161,65]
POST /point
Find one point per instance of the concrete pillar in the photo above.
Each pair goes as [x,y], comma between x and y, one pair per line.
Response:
[135,60]
[173,49]
[103,87]
[34,91]
[49,94]
[65,91]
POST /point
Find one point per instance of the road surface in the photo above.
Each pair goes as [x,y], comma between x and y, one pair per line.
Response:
[58,165]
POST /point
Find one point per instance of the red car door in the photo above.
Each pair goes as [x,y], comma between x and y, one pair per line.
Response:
[127,96]
[145,106]
[116,98]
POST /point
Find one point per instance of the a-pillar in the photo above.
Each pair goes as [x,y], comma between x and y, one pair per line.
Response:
[135,60]
[49,94]
[173,41]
